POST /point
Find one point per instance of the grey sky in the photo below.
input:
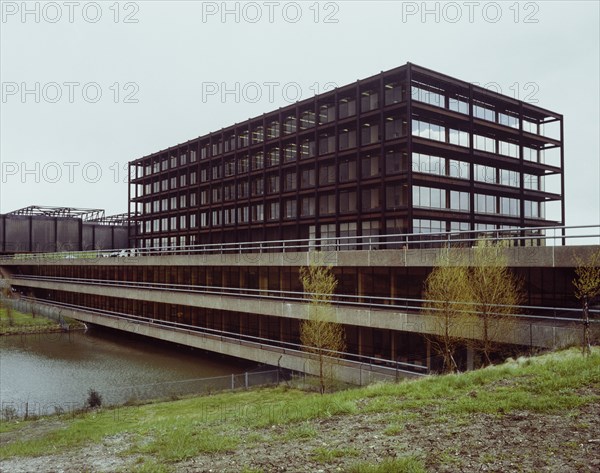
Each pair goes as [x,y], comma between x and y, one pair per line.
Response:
[77,150]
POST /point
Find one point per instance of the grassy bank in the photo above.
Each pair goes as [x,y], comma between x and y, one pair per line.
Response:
[412,426]
[20,323]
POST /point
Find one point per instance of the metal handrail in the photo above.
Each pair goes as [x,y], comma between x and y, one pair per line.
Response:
[381,302]
[399,366]
[370,242]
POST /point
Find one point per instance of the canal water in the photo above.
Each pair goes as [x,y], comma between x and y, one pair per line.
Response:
[54,371]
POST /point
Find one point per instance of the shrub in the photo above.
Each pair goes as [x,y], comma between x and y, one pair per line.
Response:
[94,399]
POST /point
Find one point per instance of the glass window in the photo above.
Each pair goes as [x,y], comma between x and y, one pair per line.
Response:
[229,216]
[485,113]
[273,211]
[485,174]
[273,130]
[326,113]
[308,149]
[509,178]
[307,178]
[429,197]
[393,93]
[289,125]
[485,203]
[347,107]
[484,143]
[326,143]
[273,156]
[243,214]
[258,186]
[530,154]
[530,127]
[458,137]
[229,167]
[307,119]
[459,201]
[258,134]
[421,225]
[273,183]
[327,204]
[509,206]
[289,182]
[508,149]
[394,196]
[370,199]
[532,209]
[216,171]
[428,96]
[216,195]
[369,133]
[394,162]
[347,201]
[229,191]
[327,174]
[290,208]
[370,166]
[533,182]
[258,161]
[347,170]
[428,130]
[394,128]
[508,120]
[307,206]
[258,212]
[244,138]
[243,189]
[243,164]
[289,152]
[459,169]
[369,100]
[347,138]
[458,105]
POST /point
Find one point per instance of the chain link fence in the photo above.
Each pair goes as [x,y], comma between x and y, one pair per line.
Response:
[130,395]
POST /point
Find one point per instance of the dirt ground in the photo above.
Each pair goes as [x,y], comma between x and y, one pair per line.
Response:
[515,442]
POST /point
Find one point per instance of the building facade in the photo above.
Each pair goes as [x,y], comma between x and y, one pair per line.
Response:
[409,150]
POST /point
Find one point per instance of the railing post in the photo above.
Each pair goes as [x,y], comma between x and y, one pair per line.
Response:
[246,379]
[232,381]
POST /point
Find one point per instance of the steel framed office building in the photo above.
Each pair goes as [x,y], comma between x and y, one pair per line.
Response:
[409,150]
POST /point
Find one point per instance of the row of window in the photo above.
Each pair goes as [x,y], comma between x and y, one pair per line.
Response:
[308,148]
[430,164]
[329,173]
[369,165]
[328,230]
[442,226]
[436,132]
[308,206]
[436,198]
[436,97]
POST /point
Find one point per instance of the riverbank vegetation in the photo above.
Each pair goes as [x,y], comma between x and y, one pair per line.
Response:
[13,322]
[529,414]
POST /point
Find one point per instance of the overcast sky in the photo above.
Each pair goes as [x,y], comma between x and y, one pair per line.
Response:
[87,87]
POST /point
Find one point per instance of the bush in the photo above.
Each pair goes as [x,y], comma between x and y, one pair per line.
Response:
[94,399]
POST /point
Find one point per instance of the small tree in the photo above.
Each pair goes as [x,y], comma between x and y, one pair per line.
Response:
[94,399]
[496,292]
[320,335]
[448,295]
[587,287]
[4,301]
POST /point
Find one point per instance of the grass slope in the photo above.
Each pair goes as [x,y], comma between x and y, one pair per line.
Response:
[160,435]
